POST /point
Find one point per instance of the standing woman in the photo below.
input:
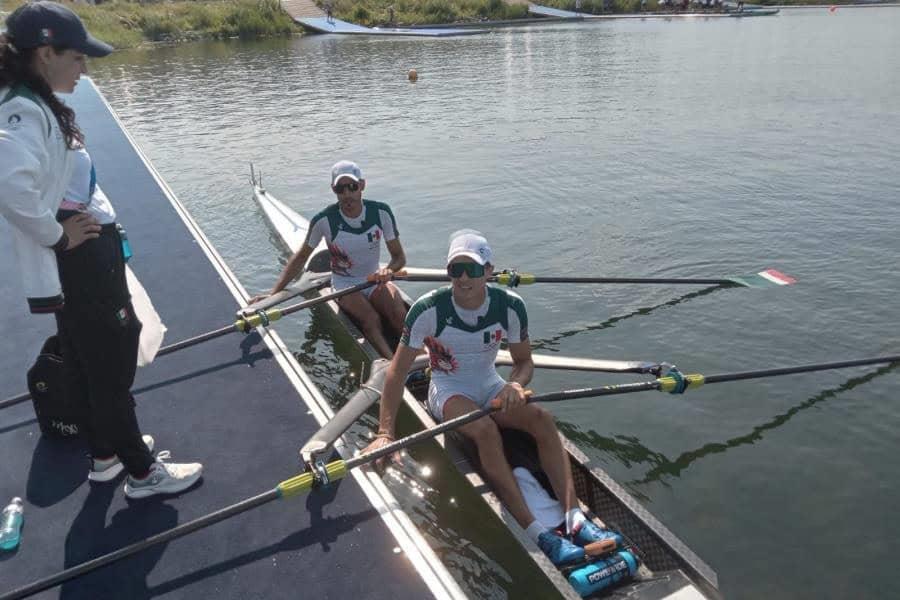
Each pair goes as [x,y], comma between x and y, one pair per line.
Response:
[44,51]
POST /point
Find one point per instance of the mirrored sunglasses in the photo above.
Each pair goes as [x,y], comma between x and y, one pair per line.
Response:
[455,270]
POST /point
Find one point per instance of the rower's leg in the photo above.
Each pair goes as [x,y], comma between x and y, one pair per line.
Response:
[389,303]
[496,469]
[536,421]
[364,314]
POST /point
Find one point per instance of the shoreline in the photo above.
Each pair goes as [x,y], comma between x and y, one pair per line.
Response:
[131,25]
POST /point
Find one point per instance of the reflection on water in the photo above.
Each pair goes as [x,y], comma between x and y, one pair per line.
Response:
[632,453]
[552,342]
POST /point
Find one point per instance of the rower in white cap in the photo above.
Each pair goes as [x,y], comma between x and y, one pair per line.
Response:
[353,229]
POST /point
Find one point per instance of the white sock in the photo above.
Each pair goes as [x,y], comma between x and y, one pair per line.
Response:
[535,530]
[574,519]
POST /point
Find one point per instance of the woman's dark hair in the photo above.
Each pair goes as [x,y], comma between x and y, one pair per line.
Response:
[15,69]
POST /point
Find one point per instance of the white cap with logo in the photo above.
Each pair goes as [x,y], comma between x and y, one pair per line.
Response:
[471,244]
[345,168]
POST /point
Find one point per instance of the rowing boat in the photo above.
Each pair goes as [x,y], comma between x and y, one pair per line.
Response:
[669,568]
[754,12]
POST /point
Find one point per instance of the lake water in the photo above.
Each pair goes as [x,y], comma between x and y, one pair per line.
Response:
[618,148]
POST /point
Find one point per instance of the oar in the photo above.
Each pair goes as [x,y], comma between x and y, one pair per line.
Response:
[370,391]
[338,469]
[512,278]
[572,363]
[294,486]
[243,324]
[309,281]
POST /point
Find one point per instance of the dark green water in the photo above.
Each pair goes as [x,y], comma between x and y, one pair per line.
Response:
[625,148]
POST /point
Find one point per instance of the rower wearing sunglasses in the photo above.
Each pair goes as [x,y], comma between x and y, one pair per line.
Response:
[353,229]
[462,326]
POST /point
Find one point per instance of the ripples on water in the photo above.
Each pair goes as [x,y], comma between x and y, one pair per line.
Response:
[643,148]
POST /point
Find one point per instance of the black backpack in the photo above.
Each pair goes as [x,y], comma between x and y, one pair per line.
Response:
[45,382]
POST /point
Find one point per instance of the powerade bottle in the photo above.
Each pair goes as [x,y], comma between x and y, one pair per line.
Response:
[11,525]
[601,574]
[126,247]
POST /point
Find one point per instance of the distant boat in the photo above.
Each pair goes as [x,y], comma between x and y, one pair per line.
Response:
[754,12]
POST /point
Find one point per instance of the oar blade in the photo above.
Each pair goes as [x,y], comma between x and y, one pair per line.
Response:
[767,278]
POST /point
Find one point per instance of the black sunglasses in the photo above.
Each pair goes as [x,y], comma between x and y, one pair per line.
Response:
[353,187]
[455,270]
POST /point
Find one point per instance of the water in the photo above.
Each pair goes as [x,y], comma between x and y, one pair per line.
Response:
[622,148]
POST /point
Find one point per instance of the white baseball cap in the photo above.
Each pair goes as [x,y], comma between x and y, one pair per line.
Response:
[470,243]
[345,168]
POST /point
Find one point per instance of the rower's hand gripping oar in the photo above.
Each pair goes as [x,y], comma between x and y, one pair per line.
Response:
[513,278]
[337,469]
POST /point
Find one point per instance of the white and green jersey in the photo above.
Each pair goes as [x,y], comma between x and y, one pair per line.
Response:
[463,344]
[355,244]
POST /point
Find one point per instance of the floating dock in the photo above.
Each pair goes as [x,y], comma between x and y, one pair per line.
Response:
[239,404]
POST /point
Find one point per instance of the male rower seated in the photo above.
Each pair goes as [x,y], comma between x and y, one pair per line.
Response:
[462,326]
[353,229]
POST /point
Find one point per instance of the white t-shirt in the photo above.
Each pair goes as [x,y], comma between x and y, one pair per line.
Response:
[83,194]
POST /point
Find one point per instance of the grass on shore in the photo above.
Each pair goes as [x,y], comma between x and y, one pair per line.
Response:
[125,24]
[420,12]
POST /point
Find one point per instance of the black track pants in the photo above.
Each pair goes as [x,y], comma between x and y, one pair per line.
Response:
[99,333]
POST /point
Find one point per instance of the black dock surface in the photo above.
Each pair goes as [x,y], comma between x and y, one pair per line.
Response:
[240,406]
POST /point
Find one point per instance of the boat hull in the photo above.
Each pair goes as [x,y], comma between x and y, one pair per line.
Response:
[669,566]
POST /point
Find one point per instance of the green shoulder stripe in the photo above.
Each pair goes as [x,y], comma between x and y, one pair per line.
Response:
[378,207]
[424,303]
[332,214]
[516,303]
[23,91]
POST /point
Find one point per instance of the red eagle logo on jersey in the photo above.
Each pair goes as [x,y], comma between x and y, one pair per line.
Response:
[441,358]
[340,262]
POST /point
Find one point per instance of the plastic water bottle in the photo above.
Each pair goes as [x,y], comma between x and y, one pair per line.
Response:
[11,525]
[601,574]
[126,246]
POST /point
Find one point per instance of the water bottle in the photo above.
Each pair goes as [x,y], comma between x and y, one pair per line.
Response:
[601,574]
[11,525]
[126,247]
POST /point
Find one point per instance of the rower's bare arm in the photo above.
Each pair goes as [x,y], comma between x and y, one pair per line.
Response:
[293,268]
[398,256]
[523,365]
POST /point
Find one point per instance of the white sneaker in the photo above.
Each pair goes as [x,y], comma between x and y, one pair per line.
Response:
[164,478]
[109,469]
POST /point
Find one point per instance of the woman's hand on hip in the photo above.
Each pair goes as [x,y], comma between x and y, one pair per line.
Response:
[79,229]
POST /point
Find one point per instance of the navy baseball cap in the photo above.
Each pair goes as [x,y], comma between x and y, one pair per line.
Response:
[50,24]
